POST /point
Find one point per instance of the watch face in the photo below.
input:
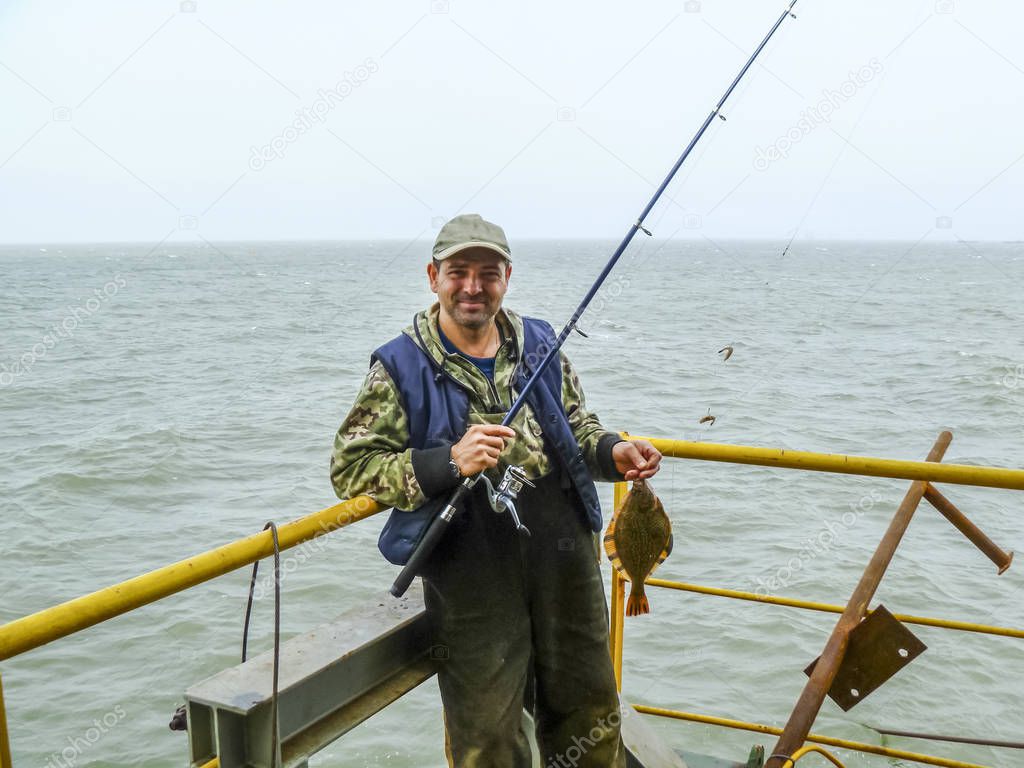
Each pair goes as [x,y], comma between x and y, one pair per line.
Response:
[455,468]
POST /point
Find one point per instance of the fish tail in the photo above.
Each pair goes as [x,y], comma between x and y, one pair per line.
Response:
[637,604]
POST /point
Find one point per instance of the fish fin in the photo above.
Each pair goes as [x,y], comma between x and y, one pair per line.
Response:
[661,508]
[637,604]
[613,557]
[610,530]
[663,556]
[609,547]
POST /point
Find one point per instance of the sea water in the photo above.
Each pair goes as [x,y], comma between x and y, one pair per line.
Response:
[158,401]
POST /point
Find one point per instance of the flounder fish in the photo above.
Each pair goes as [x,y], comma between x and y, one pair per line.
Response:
[638,539]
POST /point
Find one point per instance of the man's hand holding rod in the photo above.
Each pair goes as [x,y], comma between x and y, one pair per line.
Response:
[480,448]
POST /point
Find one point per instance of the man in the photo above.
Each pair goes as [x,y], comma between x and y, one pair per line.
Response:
[501,604]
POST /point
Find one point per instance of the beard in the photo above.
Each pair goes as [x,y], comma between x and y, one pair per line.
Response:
[477,317]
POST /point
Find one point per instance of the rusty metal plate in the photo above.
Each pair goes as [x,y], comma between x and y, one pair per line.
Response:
[880,646]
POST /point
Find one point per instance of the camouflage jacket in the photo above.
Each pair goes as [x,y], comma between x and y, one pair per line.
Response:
[371,453]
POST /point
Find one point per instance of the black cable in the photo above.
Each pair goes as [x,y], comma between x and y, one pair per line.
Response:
[276,725]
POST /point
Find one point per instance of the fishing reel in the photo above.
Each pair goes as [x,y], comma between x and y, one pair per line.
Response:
[503,497]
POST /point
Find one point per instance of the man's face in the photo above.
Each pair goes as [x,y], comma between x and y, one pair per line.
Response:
[470,285]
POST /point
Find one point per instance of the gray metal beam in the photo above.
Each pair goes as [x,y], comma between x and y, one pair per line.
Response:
[331,679]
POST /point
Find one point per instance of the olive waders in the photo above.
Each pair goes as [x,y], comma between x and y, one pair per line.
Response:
[502,605]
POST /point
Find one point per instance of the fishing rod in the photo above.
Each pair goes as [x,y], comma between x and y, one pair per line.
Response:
[503,498]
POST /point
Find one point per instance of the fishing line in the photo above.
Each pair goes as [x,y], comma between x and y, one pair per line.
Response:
[513,482]
[690,170]
[670,202]
[839,156]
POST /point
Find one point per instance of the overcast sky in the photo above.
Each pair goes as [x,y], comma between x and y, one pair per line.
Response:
[339,120]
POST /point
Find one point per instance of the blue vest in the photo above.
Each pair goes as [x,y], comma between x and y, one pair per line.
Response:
[437,409]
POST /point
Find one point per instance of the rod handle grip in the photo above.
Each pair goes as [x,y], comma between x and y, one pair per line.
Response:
[429,542]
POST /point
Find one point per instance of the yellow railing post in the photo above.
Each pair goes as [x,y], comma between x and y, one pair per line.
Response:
[618,589]
[5,740]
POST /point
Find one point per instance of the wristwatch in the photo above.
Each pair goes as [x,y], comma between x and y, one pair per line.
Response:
[456,472]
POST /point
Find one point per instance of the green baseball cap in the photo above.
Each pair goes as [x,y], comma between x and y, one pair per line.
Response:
[470,230]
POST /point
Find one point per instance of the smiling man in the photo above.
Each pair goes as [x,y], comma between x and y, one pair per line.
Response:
[502,605]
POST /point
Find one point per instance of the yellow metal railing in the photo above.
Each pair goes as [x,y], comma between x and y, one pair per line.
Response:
[47,625]
[958,474]
[830,741]
[807,605]
[928,472]
[50,624]
[34,630]
[804,751]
